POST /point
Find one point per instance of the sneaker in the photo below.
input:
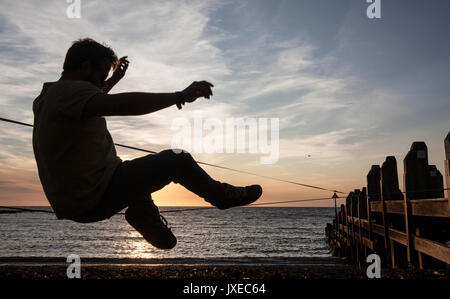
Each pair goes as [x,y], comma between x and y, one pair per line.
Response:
[236,196]
[146,219]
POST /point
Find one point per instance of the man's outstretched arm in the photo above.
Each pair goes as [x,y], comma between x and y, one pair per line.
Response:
[139,103]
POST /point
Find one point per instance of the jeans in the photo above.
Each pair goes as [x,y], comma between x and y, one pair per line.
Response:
[134,180]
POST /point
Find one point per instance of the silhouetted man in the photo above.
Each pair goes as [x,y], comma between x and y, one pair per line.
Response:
[82,176]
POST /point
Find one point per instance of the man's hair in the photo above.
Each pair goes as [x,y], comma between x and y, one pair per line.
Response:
[87,49]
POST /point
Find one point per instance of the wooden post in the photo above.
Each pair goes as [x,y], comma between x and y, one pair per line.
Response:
[373,183]
[419,254]
[447,165]
[393,259]
[335,209]
[363,203]
[435,183]
[408,230]
[343,220]
[348,203]
[391,191]
[416,171]
[361,208]
[369,218]
[416,182]
[338,232]
[389,177]
[373,195]
[353,243]
[385,224]
[355,200]
[348,214]
[336,228]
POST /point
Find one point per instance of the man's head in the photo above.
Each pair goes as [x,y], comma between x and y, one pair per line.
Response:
[90,61]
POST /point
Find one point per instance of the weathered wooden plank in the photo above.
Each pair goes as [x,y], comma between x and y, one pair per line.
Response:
[433,207]
[397,236]
[433,249]
[378,229]
[375,206]
[395,207]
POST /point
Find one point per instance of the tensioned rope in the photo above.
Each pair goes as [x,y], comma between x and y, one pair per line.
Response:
[203,163]
[19,209]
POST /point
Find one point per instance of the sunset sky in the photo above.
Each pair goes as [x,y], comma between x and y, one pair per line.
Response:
[348,90]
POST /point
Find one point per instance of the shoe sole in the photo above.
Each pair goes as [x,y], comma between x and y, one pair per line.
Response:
[149,237]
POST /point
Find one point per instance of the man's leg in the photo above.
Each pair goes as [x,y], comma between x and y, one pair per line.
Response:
[151,173]
[135,180]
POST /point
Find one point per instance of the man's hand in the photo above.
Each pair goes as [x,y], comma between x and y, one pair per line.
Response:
[196,90]
[120,68]
[119,71]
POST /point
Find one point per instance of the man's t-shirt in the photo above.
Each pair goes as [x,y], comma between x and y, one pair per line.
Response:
[75,156]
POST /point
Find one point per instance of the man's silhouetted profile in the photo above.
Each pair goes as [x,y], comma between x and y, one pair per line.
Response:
[81,174]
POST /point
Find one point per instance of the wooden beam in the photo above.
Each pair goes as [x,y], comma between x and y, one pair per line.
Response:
[395,207]
[376,206]
[433,207]
[378,229]
[433,249]
[397,236]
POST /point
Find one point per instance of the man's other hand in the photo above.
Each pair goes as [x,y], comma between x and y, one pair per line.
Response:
[196,90]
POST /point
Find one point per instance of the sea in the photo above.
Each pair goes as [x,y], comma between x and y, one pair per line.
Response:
[242,233]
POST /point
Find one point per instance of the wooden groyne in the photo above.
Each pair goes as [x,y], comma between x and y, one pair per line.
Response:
[407,229]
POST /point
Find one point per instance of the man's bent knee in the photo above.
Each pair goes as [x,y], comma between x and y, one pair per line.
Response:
[177,157]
